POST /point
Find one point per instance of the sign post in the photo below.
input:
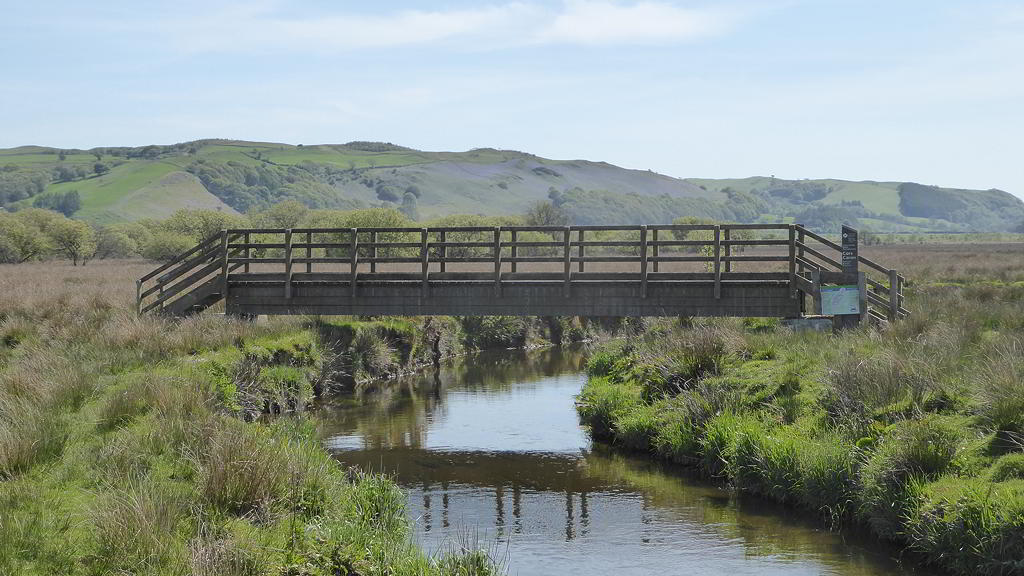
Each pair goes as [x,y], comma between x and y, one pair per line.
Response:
[848,297]
[851,258]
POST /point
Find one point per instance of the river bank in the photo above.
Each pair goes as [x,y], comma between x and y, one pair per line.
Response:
[914,432]
[142,445]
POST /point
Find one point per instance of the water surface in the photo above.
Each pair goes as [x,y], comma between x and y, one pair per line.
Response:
[490,452]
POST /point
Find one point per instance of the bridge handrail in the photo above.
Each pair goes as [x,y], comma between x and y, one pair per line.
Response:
[508,248]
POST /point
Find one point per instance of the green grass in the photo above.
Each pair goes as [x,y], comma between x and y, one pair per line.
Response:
[134,190]
[126,446]
[913,431]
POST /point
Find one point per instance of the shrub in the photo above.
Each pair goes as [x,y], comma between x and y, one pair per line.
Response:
[720,435]
[223,557]
[243,470]
[828,476]
[165,246]
[971,526]
[28,435]
[133,527]
[602,360]
[602,403]
[125,402]
[371,355]
[1008,467]
[1000,387]
[915,450]
[489,332]
[284,388]
[636,429]
[763,462]
[857,385]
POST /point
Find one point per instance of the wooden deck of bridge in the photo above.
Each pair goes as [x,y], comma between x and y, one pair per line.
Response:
[743,270]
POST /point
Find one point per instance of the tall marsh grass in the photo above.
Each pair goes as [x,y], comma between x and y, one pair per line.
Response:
[131,445]
[915,429]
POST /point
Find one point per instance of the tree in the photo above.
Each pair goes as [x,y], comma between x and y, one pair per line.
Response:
[74,239]
[546,214]
[410,207]
[287,214]
[63,155]
[98,154]
[414,190]
[21,239]
[100,168]
[387,193]
[63,174]
[165,245]
[112,242]
[198,225]
[67,203]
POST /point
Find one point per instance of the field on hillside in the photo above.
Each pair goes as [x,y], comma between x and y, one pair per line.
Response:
[915,430]
[124,184]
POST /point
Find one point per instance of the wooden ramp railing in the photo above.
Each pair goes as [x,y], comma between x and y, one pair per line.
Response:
[570,256]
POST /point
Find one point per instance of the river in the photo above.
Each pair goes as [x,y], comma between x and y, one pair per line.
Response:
[491,454]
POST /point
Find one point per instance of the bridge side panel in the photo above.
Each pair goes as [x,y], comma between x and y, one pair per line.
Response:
[738,299]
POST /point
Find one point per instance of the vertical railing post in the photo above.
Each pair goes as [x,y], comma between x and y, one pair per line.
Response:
[727,233]
[816,287]
[515,249]
[567,255]
[581,251]
[718,262]
[800,238]
[425,258]
[373,251]
[656,249]
[792,261]
[643,261]
[309,253]
[288,264]
[444,250]
[894,299]
[223,266]
[138,297]
[353,259]
[900,281]
[248,254]
[862,298]
[497,260]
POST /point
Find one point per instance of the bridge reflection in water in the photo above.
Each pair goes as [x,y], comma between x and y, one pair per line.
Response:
[490,449]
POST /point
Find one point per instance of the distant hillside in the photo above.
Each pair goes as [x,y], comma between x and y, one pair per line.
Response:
[116,184]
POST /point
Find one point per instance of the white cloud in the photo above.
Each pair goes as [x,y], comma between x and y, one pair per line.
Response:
[266,28]
[603,22]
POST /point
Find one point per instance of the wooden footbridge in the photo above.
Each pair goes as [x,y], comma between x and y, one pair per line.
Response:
[741,270]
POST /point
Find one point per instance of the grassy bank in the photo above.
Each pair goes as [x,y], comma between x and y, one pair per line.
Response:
[143,445]
[916,431]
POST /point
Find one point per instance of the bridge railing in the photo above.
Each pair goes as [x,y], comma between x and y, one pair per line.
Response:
[885,294]
[566,254]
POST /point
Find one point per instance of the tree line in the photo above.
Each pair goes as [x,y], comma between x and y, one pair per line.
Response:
[40,233]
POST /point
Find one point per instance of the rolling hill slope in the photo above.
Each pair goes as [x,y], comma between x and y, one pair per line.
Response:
[117,184]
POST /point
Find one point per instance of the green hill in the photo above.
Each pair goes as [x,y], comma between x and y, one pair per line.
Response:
[119,184]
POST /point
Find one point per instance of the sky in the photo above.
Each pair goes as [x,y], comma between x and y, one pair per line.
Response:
[930,91]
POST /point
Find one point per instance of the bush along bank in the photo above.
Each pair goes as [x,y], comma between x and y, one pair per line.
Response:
[915,433]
